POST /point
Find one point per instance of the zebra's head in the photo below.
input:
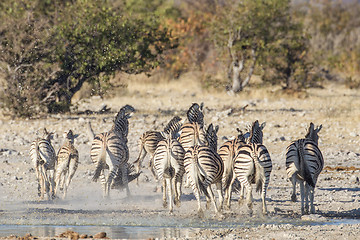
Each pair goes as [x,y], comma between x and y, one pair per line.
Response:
[173,127]
[313,132]
[240,137]
[121,123]
[48,135]
[70,136]
[196,114]
[256,134]
[211,136]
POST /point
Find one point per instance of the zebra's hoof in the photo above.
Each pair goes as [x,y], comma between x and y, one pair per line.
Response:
[293,198]
[165,204]
[200,213]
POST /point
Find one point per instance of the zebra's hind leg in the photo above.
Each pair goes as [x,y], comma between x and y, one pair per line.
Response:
[311,196]
[302,193]
[124,175]
[177,190]
[249,199]
[220,194]
[164,193]
[307,188]
[170,188]
[212,198]
[293,195]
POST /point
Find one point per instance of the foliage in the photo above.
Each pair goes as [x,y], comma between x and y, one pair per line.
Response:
[334,27]
[26,63]
[89,42]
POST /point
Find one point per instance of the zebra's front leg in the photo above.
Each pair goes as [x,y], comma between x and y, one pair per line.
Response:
[293,181]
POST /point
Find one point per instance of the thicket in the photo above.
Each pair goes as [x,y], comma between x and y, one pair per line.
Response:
[50,48]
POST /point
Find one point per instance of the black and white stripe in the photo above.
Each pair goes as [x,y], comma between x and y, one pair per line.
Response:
[253,165]
[204,167]
[304,162]
[227,152]
[67,163]
[43,157]
[169,165]
[150,139]
[109,151]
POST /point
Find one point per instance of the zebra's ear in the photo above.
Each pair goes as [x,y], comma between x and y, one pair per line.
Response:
[262,126]
[217,128]
[201,106]
[318,128]
[76,135]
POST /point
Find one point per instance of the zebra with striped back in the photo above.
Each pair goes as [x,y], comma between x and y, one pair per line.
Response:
[253,165]
[204,167]
[304,162]
[150,139]
[67,163]
[227,152]
[169,165]
[192,133]
[43,156]
[109,151]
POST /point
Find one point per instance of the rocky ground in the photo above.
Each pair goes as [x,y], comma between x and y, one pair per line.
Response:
[337,197]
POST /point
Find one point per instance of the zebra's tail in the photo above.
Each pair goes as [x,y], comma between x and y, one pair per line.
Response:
[39,159]
[101,163]
[304,170]
[199,176]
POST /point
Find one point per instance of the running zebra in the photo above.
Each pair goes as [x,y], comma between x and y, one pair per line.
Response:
[67,163]
[169,165]
[253,165]
[204,167]
[43,156]
[192,133]
[228,152]
[109,151]
[150,139]
[304,162]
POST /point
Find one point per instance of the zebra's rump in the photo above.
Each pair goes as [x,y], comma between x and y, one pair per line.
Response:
[42,152]
[209,163]
[192,134]
[312,157]
[150,139]
[169,159]
[253,162]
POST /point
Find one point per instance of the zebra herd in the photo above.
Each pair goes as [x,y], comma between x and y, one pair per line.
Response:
[184,147]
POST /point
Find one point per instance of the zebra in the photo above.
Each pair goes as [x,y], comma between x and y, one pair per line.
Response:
[43,156]
[304,162]
[253,165]
[150,139]
[109,151]
[169,165]
[227,152]
[67,163]
[204,167]
[196,114]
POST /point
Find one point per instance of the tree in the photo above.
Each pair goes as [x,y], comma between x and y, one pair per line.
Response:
[89,41]
[246,29]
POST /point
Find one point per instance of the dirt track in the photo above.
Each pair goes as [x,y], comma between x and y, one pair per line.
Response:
[337,195]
